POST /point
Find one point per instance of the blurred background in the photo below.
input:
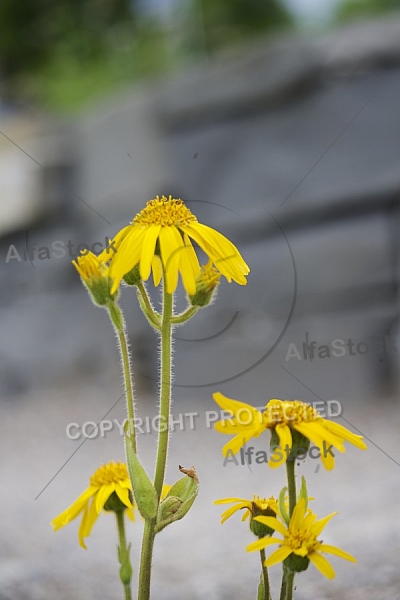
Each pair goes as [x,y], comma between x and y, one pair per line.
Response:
[277,122]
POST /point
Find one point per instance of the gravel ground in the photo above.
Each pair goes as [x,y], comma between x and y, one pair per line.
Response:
[196,558]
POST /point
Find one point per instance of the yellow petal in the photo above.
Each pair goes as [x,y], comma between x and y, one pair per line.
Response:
[128,255]
[235,407]
[74,509]
[148,248]
[239,441]
[223,253]
[231,511]
[171,246]
[285,437]
[103,495]
[273,523]
[319,525]
[336,551]
[189,267]
[123,495]
[263,543]
[339,430]
[156,267]
[130,514]
[278,556]
[322,565]
[109,252]
[90,520]
[230,500]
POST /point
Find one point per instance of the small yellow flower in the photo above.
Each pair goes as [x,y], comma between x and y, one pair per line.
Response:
[252,507]
[95,275]
[109,489]
[299,545]
[162,232]
[284,418]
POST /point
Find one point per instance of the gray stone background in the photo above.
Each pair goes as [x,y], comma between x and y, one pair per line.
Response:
[292,150]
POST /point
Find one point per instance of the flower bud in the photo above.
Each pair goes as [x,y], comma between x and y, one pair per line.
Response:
[262,508]
[206,285]
[295,563]
[95,276]
[133,276]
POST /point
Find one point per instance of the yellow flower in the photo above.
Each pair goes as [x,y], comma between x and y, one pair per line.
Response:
[95,275]
[251,507]
[109,489]
[285,419]
[299,545]
[162,232]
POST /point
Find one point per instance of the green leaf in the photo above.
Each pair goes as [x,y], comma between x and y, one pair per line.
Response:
[143,489]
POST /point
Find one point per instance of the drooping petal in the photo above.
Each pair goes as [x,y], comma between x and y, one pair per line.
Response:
[231,511]
[123,495]
[285,437]
[90,520]
[156,267]
[223,253]
[239,441]
[339,430]
[103,495]
[322,565]
[171,246]
[127,256]
[147,253]
[130,514]
[74,509]
[314,430]
[189,267]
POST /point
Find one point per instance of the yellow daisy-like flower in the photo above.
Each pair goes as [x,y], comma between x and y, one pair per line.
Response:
[109,489]
[159,237]
[285,418]
[300,543]
[253,507]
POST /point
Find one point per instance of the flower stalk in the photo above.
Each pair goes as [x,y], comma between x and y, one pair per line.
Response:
[163,439]
[125,571]
[118,321]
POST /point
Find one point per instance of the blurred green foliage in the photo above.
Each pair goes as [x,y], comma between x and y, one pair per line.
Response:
[350,9]
[229,20]
[62,53]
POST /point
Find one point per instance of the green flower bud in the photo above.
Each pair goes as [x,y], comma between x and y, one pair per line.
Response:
[206,285]
[143,489]
[133,276]
[261,508]
[295,563]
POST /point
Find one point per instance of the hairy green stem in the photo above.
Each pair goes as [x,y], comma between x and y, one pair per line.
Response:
[264,571]
[185,316]
[123,555]
[283,586]
[163,438]
[152,316]
[118,321]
